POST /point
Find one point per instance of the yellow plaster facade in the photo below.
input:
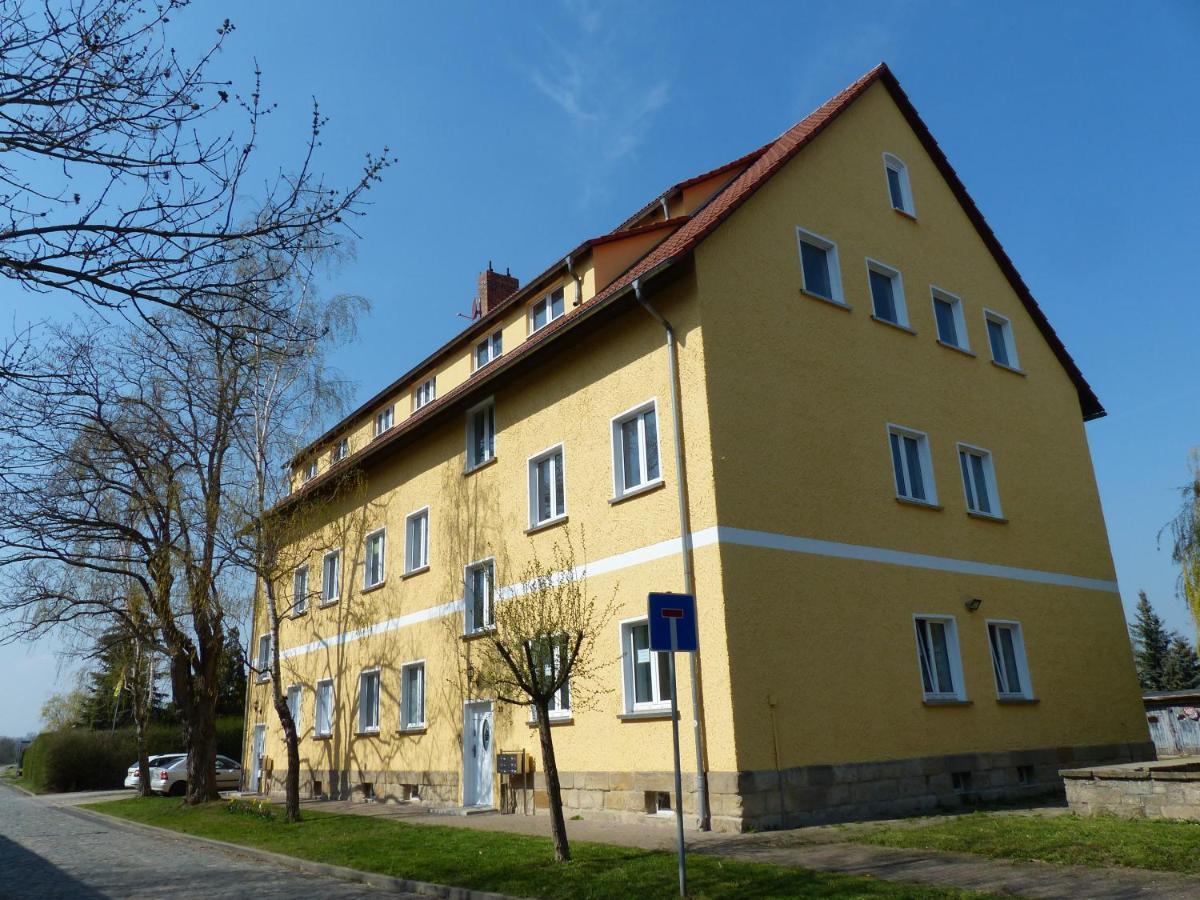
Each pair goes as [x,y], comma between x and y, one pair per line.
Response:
[810,573]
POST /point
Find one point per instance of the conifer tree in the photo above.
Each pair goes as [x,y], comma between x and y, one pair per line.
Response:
[1151,644]
[1181,668]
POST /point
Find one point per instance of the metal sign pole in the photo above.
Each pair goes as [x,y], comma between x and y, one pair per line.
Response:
[678,770]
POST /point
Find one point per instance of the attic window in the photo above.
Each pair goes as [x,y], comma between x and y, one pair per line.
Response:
[424,393]
[340,450]
[383,420]
[546,310]
[310,470]
[899,189]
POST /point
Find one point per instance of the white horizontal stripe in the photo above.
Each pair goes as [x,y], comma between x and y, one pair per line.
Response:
[770,540]
[725,534]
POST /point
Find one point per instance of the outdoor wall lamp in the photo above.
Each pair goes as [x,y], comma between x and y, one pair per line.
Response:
[973,604]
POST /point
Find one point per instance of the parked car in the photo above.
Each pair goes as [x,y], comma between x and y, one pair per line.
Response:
[133,777]
[172,778]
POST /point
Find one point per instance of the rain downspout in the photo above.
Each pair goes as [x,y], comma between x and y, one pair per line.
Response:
[685,538]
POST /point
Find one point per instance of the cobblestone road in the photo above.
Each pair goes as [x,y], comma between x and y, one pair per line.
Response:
[48,853]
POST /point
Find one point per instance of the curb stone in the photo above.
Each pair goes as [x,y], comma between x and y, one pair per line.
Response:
[345,873]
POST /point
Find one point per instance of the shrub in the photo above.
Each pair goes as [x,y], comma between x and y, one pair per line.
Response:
[259,809]
[77,759]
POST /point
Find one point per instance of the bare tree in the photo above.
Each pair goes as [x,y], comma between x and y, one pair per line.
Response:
[541,652]
[118,182]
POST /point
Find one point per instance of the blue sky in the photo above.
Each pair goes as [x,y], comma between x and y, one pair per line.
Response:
[521,130]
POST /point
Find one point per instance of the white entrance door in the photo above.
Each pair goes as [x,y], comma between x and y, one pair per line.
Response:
[477,754]
[257,750]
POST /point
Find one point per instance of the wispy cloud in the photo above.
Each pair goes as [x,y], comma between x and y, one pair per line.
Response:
[594,71]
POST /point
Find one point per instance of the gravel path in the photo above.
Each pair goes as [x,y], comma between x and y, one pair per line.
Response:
[48,853]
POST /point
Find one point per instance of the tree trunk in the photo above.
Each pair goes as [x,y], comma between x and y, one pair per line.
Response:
[558,825]
[195,695]
[139,720]
[291,784]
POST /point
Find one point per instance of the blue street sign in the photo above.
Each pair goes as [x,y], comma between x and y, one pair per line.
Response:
[673,623]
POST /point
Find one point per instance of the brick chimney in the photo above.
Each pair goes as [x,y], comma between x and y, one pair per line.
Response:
[494,289]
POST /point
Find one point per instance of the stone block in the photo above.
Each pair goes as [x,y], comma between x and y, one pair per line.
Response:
[595,781]
[721,783]
[653,781]
[590,799]
[622,781]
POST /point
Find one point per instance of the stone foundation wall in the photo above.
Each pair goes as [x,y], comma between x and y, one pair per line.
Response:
[1166,790]
[804,795]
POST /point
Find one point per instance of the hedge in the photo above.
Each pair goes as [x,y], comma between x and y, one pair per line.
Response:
[76,759]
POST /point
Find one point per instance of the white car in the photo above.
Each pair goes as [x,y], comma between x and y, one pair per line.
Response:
[172,778]
[133,777]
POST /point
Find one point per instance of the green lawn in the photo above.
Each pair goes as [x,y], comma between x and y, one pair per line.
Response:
[1169,846]
[512,864]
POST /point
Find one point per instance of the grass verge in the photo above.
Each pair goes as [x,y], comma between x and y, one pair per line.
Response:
[513,864]
[1161,845]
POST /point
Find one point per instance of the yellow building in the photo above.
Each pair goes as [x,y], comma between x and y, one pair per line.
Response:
[904,581]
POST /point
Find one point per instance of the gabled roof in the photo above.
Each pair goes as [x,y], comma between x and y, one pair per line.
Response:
[688,232]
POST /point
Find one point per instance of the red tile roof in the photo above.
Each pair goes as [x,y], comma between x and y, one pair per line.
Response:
[763,163]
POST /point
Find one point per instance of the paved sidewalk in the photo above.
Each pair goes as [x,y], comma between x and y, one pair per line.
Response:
[826,849]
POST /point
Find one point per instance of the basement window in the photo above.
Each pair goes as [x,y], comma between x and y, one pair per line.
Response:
[961,781]
[658,803]
[1025,775]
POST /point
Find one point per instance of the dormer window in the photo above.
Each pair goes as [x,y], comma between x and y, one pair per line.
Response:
[488,349]
[310,470]
[424,393]
[340,450]
[384,419]
[899,189]
[546,311]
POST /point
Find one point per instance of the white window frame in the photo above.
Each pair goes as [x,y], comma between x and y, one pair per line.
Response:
[340,450]
[424,393]
[894,163]
[557,712]
[531,466]
[386,415]
[470,626]
[1010,342]
[953,652]
[300,598]
[804,236]
[417,518]
[618,449]
[262,662]
[371,671]
[925,455]
[326,599]
[367,585]
[1022,661]
[317,731]
[629,679]
[960,317]
[493,347]
[897,280]
[472,462]
[310,470]
[546,300]
[989,475]
[298,710]
[405,724]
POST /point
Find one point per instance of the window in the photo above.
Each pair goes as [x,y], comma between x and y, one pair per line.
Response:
[547,497]
[368,701]
[937,651]
[951,325]
[373,564]
[979,480]
[263,663]
[300,591]
[416,541]
[481,434]
[1008,660]
[294,704]
[340,450]
[899,189]
[819,266]
[548,656]
[424,393]
[384,419]
[331,577]
[412,696]
[488,349]
[887,293]
[310,470]
[323,724]
[480,587]
[1000,336]
[647,674]
[911,465]
[546,310]
[635,449]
